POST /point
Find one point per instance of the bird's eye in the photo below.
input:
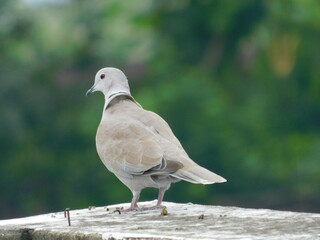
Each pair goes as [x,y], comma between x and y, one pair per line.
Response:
[102,76]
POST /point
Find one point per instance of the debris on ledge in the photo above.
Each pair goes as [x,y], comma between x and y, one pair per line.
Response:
[177,221]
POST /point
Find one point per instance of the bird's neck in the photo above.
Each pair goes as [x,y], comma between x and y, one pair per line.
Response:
[120,93]
[116,98]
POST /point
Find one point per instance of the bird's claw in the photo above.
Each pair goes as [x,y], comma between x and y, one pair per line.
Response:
[130,209]
[153,207]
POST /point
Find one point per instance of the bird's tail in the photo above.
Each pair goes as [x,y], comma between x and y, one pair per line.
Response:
[198,174]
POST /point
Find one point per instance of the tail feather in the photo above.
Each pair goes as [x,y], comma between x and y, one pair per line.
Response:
[199,175]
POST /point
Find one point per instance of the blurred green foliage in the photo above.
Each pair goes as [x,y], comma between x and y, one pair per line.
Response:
[238,81]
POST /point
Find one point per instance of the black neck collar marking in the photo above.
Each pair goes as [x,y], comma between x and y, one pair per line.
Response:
[116,93]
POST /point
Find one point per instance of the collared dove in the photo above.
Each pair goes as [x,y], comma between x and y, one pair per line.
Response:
[137,145]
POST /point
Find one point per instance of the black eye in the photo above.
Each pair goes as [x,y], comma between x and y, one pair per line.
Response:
[102,76]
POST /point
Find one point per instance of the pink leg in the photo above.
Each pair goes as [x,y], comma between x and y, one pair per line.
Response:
[134,203]
[160,198]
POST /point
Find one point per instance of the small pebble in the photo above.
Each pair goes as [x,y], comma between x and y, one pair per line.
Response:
[164,212]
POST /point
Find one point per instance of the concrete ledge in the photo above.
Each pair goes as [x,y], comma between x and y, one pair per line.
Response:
[183,221]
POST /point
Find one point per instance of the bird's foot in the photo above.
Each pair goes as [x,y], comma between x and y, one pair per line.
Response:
[153,207]
[122,210]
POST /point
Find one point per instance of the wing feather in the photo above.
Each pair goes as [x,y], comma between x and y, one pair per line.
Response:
[133,148]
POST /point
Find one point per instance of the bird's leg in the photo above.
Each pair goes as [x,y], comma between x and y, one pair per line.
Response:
[159,202]
[160,196]
[134,202]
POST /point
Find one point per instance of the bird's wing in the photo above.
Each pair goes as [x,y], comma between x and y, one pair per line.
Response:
[141,142]
[160,126]
[172,148]
[133,148]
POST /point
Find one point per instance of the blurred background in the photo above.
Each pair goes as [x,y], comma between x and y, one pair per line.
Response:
[238,81]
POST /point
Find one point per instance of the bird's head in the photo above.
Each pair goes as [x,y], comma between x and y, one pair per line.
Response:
[110,81]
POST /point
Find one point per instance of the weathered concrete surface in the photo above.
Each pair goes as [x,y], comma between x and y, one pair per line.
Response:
[184,221]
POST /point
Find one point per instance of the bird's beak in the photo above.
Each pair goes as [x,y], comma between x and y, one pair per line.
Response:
[90,91]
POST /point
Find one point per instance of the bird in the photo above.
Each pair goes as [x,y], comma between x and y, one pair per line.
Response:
[138,146]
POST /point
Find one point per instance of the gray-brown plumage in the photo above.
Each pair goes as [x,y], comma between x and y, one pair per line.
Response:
[137,145]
